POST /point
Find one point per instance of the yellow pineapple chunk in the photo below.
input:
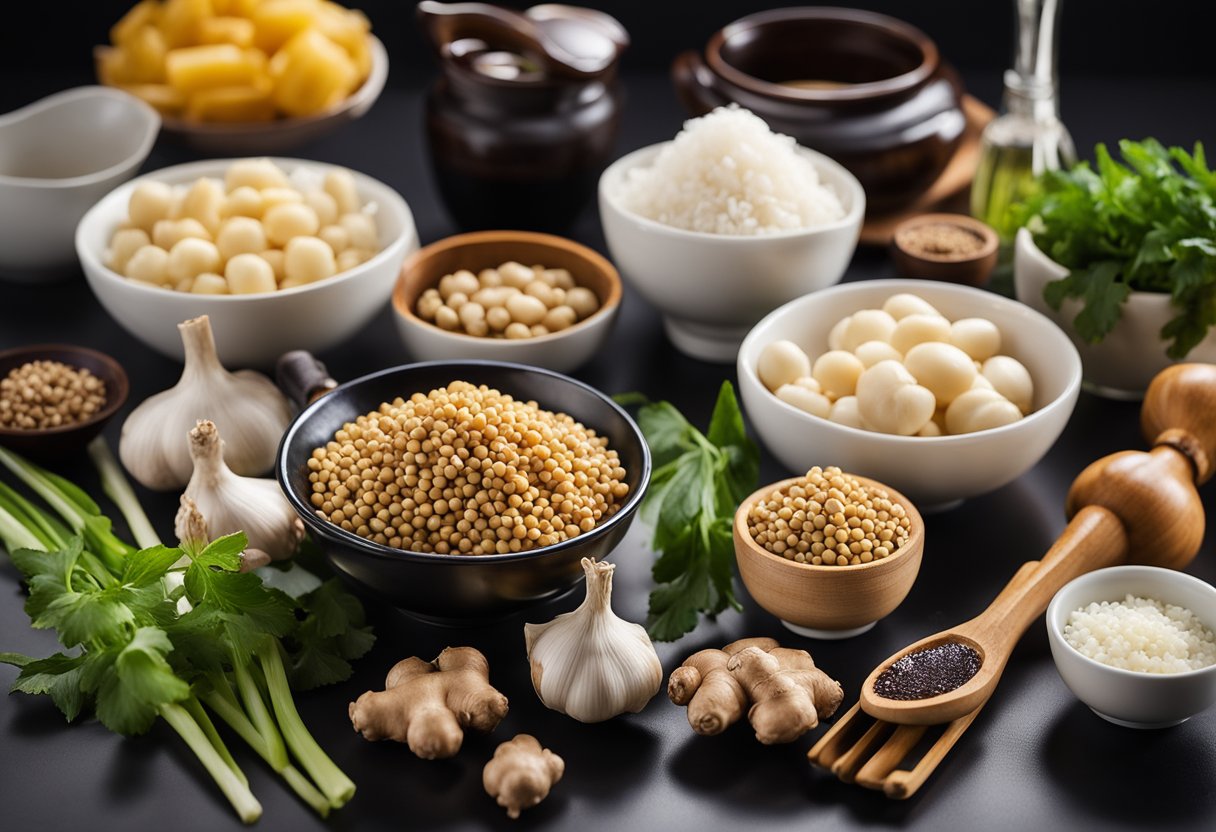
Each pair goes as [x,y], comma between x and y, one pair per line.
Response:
[349,29]
[166,100]
[145,56]
[180,19]
[277,21]
[235,30]
[197,68]
[311,73]
[232,104]
[112,66]
[143,13]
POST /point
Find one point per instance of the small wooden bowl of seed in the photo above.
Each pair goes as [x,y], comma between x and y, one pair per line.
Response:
[54,398]
[828,553]
[953,248]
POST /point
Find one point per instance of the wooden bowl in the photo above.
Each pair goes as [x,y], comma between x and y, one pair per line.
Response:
[970,269]
[63,441]
[828,602]
[561,351]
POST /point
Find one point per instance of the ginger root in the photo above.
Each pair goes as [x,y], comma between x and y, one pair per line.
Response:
[427,704]
[520,773]
[787,692]
[715,699]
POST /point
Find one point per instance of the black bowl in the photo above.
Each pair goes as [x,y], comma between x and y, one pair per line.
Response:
[461,589]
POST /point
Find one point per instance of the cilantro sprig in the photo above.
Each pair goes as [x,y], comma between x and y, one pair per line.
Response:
[1146,224]
[698,481]
[160,632]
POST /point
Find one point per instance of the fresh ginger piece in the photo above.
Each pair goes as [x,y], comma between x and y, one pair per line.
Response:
[246,103]
[521,773]
[715,699]
[428,704]
[143,13]
[197,68]
[278,21]
[112,67]
[162,97]
[312,73]
[789,693]
[238,31]
[180,19]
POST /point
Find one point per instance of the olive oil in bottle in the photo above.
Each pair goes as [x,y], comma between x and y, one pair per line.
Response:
[1028,137]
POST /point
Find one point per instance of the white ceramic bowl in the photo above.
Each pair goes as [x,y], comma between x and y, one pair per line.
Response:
[1128,358]
[711,288]
[561,351]
[1127,697]
[262,138]
[250,330]
[58,156]
[934,472]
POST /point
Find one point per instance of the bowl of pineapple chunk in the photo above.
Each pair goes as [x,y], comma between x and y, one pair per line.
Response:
[246,77]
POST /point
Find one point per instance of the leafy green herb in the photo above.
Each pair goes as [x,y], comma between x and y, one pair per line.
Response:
[698,482]
[1148,224]
[158,632]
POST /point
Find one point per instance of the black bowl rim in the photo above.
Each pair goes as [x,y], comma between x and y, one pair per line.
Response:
[325,529]
[113,404]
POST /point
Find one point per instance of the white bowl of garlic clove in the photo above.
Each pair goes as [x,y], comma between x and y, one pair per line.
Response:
[934,471]
[251,330]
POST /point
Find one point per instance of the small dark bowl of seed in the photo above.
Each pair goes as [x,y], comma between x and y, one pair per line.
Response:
[949,247]
[54,398]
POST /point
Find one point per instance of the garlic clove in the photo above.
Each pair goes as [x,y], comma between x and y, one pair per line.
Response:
[589,664]
[252,412]
[231,503]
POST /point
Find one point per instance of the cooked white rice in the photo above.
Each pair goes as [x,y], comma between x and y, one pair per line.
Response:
[728,173]
[1141,634]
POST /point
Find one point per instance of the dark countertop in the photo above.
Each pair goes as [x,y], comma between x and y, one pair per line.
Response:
[1036,758]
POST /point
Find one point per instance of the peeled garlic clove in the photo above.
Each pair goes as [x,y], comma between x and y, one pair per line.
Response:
[229,503]
[589,664]
[246,405]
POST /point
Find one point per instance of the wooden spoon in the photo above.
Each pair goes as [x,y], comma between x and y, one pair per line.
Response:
[1129,506]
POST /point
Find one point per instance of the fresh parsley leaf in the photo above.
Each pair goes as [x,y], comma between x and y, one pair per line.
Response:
[138,683]
[332,633]
[148,566]
[698,482]
[1146,223]
[57,676]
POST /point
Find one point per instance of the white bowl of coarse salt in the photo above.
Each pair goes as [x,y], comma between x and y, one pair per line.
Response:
[1137,644]
[725,223]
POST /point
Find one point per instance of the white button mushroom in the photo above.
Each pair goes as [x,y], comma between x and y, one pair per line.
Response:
[837,372]
[836,335]
[249,274]
[258,174]
[149,264]
[980,409]
[324,204]
[284,223]
[845,412]
[918,328]
[978,337]
[362,231]
[871,352]
[123,245]
[781,362]
[150,202]
[191,257]
[809,383]
[307,260]
[946,370]
[203,202]
[890,400]
[243,202]
[904,304]
[167,233]
[867,325]
[1012,380]
[340,185]
[209,284]
[810,402]
[240,235]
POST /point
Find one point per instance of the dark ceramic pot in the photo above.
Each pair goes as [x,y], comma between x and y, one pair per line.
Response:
[508,154]
[870,91]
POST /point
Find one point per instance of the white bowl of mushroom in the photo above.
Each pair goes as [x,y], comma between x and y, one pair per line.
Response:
[281,254]
[946,393]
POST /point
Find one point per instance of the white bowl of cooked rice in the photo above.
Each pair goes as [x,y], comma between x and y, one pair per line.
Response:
[726,223]
[1137,644]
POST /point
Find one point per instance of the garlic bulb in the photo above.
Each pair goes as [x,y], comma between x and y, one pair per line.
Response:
[191,529]
[229,503]
[247,405]
[589,664]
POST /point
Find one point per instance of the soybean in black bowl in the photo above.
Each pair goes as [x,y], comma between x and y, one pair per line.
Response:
[462,589]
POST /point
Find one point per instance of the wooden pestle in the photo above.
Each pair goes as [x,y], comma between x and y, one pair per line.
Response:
[1129,506]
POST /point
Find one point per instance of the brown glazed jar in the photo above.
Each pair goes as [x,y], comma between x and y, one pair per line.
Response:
[517,138]
[870,91]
